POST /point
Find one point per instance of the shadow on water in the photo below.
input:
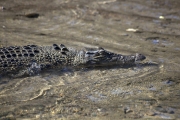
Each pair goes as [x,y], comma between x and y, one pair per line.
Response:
[132,66]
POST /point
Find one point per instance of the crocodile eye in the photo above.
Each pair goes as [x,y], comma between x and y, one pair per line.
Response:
[102,52]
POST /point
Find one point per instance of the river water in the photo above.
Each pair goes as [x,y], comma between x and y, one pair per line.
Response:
[150,90]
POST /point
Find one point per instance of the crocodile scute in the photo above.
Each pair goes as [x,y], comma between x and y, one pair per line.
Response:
[31,59]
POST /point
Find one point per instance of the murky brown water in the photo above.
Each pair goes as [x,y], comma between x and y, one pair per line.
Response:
[148,91]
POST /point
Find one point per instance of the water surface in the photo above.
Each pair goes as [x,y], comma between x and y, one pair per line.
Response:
[147,91]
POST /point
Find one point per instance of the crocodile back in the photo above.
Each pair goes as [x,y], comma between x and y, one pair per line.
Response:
[13,57]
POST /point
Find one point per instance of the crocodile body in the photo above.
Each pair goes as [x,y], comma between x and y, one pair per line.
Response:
[31,59]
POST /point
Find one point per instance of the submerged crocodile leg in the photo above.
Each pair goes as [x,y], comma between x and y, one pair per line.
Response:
[34,69]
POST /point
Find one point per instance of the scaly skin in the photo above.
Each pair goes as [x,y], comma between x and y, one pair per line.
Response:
[31,59]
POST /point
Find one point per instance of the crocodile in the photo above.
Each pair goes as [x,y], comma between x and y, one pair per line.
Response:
[31,59]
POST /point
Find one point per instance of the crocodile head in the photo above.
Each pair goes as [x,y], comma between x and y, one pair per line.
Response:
[139,57]
[101,57]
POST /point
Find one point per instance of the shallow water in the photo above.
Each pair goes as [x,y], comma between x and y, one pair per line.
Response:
[150,90]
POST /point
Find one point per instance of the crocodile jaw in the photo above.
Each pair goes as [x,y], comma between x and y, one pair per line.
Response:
[101,57]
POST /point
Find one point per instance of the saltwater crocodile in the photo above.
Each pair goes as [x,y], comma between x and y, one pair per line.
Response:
[31,59]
